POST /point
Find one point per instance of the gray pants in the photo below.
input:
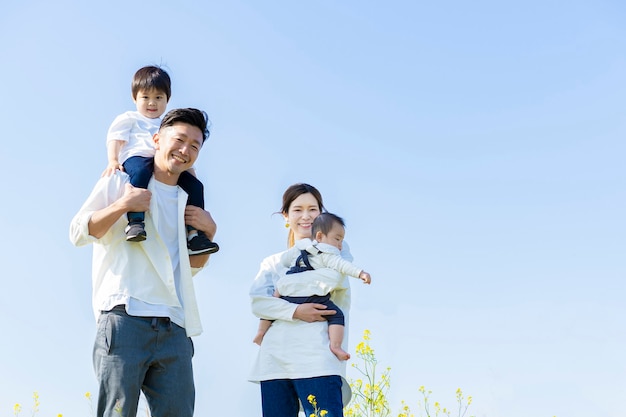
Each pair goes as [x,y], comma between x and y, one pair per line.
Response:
[149,354]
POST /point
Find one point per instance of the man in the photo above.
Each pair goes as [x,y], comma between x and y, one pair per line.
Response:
[143,294]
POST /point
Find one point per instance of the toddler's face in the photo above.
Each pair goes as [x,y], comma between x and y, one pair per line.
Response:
[334,237]
[151,103]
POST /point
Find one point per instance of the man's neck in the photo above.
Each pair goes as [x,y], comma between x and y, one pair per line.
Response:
[165,177]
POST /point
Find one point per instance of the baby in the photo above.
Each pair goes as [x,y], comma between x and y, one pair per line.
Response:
[322,258]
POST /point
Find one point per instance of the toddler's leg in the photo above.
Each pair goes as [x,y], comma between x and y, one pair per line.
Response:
[139,169]
[198,243]
[335,334]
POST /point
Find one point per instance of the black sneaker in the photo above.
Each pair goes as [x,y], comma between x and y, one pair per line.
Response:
[135,232]
[201,245]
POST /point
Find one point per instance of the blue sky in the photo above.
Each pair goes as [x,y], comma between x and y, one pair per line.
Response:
[474,149]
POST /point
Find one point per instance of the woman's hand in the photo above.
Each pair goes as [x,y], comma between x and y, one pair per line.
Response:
[311,312]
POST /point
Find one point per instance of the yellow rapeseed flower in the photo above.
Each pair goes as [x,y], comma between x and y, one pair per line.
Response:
[36,402]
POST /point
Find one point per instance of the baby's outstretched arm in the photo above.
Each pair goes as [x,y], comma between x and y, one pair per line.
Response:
[113,150]
[365,277]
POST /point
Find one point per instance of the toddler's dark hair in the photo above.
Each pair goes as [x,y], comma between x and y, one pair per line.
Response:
[151,77]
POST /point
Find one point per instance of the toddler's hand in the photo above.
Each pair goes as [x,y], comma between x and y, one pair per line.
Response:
[365,277]
[111,168]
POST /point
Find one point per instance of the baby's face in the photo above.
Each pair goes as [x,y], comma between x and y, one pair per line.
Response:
[334,237]
[151,103]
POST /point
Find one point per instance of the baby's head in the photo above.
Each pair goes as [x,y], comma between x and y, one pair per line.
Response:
[151,90]
[330,229]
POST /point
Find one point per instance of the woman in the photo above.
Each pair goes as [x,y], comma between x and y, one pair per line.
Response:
[294,360]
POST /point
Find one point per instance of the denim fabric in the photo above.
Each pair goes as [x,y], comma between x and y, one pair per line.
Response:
[280,396]
[139,169]
[133,354]
[302,263]
[193,187]
[337,318]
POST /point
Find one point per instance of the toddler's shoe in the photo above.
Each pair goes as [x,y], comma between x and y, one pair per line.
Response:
[135,232]
[200,244]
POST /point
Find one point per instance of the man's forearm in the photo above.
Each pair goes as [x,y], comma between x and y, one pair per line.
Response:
[102,220]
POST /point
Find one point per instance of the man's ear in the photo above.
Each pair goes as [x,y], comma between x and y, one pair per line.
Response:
[155,139]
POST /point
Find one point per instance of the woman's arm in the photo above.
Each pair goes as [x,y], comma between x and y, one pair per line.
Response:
[266,306]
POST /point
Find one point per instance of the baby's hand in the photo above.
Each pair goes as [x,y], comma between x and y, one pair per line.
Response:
[111,168]
[365,277]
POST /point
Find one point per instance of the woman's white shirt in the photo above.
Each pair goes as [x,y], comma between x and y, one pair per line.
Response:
[292,348]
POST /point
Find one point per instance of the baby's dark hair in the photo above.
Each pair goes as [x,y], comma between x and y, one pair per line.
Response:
[193,117]
[149,78]
[324,223]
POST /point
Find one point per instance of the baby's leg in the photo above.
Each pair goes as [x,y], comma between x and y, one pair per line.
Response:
[335,334]
[264,325]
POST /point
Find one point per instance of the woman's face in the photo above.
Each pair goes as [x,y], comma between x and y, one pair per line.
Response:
[302,211]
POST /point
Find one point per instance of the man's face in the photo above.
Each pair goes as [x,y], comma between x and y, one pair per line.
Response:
[151,103]
[177,148]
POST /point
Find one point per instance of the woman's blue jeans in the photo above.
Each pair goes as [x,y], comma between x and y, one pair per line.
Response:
[280,396]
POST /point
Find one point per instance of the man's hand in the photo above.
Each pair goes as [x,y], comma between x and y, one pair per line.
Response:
[135,199]
[311,312]
[200,219]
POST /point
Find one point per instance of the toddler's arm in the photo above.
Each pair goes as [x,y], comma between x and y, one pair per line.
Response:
[113,151]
